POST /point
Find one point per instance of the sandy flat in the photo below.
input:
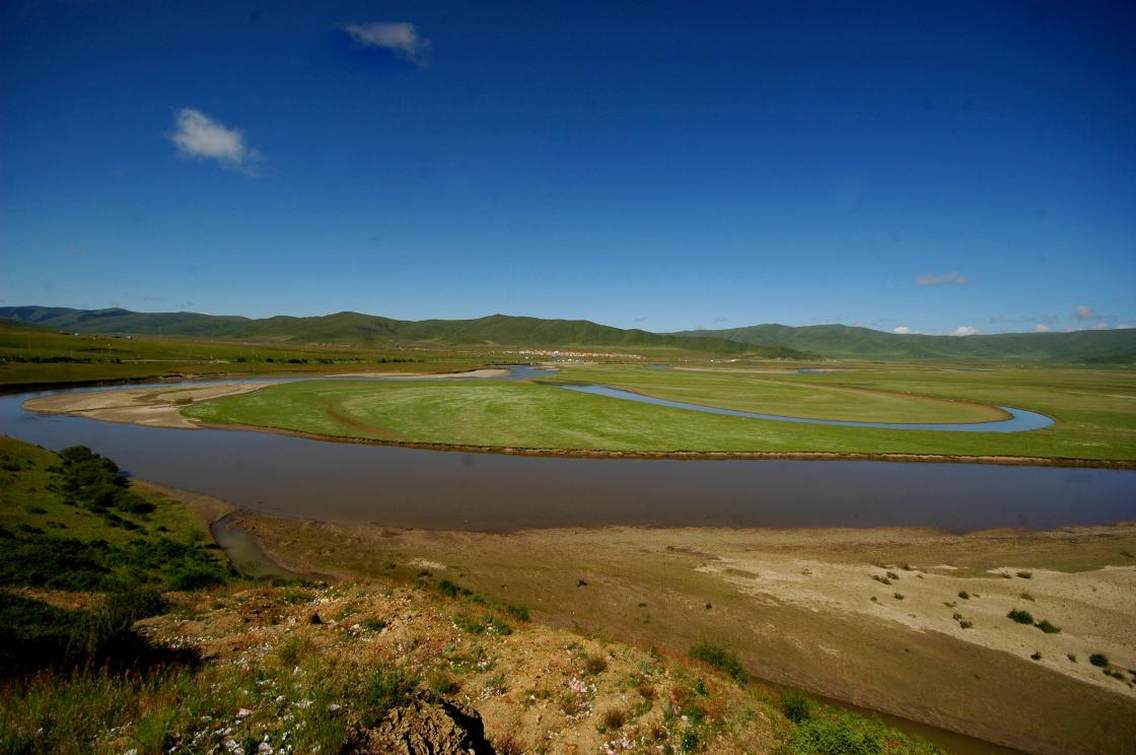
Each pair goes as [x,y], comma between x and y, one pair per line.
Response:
[1094,609]
[151,406]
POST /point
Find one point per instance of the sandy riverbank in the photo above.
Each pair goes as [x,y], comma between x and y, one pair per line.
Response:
[151,406]
[155,406]
[797,605]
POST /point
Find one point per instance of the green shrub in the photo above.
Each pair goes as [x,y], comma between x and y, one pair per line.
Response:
[446,587]
[843,735]
[1047,627]
[1099,659]
[964,595]
[796,706]
[720,658]
[1022,617]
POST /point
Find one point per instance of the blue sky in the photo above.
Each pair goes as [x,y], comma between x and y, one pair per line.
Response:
[929,166]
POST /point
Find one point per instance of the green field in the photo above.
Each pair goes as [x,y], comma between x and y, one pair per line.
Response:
[35,356]
[1095,411]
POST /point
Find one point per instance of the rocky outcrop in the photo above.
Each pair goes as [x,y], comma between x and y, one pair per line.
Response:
[425,726]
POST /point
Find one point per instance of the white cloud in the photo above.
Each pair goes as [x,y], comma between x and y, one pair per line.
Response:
[1085,312]
[201,138]
[400,38]
[1100,326]
[1041,328]
[965,330]
[957,279]
[901,330]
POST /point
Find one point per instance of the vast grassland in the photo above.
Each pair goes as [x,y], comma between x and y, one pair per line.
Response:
[29,356]
[1095,412]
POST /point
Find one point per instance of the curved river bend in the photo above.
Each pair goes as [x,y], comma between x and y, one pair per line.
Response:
[1020,420]
[405,487]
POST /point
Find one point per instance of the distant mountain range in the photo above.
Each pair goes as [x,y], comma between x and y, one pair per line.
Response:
[768,341]
[371,330]
[846,342]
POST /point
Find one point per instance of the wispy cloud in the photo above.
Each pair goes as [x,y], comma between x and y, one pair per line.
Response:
[1041,328]
[965,330]
[400,38]
[901,330]
[957,279]
[1085,312]
[199,137]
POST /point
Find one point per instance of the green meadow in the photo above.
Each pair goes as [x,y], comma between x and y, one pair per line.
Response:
[1095,411]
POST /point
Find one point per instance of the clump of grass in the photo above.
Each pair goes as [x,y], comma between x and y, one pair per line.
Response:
[595,664]
[383,690]
[1036,655]
[796,706]
[1072,657]
[440,683]
[446,587]
[518,612]
[373,624]
[1046,626]
[964,595]
[1026,596]
[881,580]
[1020,616]
[484,624]
[1025,574]
[899,596]
[1099,659]
[291,651]
[612,719]
[295,596]
[720,658]
[892,575]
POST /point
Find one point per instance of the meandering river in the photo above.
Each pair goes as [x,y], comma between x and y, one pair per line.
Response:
[405,487]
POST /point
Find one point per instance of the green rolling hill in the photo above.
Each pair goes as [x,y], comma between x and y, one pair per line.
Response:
[846,342]
[764,341]
[370,330]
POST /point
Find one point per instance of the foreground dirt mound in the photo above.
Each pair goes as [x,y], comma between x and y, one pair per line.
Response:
[426,727]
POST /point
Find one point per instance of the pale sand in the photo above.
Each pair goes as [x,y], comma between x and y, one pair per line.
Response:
[155,406]
[1095,609]
[151,406]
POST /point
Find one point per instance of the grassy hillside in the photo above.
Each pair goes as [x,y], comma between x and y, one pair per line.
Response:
[32,354]
[845,342]
[370,330]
